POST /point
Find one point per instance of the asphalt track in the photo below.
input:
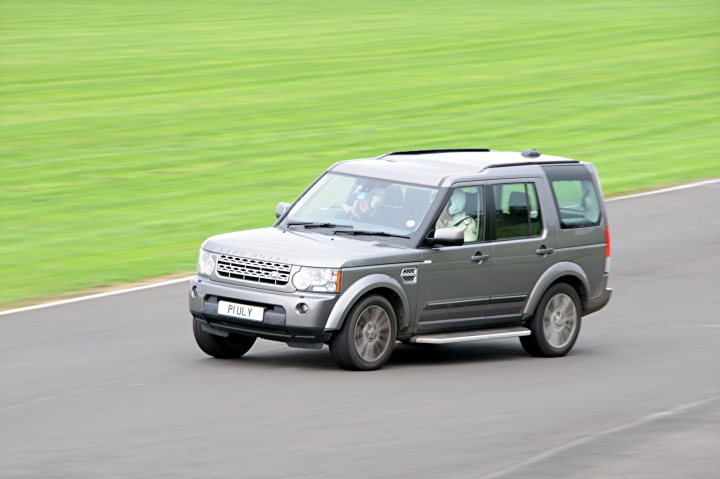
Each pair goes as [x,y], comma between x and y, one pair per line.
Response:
[115,386]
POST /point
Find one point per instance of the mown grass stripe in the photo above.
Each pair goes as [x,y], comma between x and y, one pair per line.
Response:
[130,131]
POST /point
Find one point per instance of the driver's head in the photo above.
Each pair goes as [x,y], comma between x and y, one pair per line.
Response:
[363,200]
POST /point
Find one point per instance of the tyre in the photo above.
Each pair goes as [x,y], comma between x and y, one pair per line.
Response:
[231,347]
[367,337]
[556,323]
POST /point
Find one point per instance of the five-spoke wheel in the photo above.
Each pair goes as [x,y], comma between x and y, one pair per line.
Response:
[556,323]
[367,337]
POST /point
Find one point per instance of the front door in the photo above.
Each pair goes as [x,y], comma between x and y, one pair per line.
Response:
[455,280]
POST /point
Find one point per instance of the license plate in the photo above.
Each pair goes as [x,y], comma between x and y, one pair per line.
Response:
[244,311]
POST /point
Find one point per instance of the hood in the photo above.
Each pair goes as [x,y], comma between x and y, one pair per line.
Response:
[308,248]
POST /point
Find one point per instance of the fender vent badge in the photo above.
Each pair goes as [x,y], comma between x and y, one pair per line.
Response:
[409,275]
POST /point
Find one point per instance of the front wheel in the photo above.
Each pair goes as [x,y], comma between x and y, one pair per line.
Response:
[231,347]
[367,337]
[556,323]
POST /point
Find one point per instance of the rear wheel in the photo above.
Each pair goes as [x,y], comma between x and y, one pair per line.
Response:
[231,347]
[367,337]
[556,323]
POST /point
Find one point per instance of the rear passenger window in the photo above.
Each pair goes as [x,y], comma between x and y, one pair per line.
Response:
[576,196]
[517,211]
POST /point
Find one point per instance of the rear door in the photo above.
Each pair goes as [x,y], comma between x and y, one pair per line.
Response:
[523,248]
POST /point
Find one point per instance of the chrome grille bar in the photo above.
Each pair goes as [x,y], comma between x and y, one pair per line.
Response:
[250,269]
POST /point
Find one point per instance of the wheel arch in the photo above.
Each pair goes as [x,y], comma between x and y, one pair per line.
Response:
[577,285]
[563,272]
[380,284]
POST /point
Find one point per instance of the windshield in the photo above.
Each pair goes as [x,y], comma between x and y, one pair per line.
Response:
[363,204]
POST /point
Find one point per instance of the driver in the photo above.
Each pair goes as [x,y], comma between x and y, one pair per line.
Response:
[367,205]
[454,215]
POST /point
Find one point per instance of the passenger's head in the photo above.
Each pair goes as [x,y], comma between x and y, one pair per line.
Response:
[457,202]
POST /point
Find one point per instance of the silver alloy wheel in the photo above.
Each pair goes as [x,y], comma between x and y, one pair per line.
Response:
[560,320]
[372,333]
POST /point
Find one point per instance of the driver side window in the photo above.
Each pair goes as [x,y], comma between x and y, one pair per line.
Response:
[464,209]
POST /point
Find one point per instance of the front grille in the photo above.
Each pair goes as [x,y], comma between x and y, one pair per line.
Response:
[249,269]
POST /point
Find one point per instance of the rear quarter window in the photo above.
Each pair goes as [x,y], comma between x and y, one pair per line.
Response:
[576,196]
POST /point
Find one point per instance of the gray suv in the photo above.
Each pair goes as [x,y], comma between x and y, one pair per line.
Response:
[431,246]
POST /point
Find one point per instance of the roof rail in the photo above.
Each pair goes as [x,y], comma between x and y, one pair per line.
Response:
[426,152]
[525,163]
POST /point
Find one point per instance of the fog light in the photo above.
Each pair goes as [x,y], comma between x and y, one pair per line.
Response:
[302,308]
[193,292]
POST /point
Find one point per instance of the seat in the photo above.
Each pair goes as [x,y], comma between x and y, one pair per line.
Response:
[471,204]
[518,204]
[514,223]
[393,208]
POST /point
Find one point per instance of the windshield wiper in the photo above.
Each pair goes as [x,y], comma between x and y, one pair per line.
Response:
[315,224]
[369,233]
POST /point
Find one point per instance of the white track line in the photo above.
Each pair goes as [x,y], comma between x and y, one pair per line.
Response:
[95,296]
[180,280]
[666,190]
[512,470]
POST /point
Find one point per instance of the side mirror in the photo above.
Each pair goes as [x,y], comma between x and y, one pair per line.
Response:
[452,236]
[281,209]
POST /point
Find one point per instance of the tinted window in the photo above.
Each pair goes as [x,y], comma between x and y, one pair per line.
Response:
[576,196]
[517,211]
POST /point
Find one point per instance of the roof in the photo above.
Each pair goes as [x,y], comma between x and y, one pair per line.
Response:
[431,167]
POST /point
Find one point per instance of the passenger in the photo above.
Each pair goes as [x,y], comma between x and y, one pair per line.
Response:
[454,215]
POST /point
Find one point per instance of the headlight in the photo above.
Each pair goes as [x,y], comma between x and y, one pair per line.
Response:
[206,263]
[321,280]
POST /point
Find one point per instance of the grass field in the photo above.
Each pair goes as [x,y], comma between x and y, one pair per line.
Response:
[132,130]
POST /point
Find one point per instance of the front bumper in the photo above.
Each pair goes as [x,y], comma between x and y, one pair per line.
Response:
[281,319]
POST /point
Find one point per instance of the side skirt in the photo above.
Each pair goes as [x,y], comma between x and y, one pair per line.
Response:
[466,336]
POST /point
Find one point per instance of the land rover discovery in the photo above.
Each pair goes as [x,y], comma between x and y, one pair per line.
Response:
[431,246]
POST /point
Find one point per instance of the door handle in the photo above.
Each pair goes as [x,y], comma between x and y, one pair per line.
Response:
[542,251]
[478,257]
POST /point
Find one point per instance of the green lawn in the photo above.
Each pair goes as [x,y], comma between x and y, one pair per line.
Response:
[130,131]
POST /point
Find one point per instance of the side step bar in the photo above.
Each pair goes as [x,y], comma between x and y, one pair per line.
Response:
[465,336]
